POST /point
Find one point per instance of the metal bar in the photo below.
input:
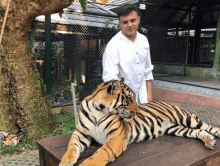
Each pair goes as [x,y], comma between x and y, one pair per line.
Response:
[140,14]
[187,47]
[167,63]
[216,63]
[184,15]
[165,6]
[48,54]
[74,102]
[68,32]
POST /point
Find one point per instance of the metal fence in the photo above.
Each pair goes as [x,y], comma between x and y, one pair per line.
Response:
[78,42]
[79,39]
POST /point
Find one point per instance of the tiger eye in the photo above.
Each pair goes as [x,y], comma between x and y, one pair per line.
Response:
[102,106]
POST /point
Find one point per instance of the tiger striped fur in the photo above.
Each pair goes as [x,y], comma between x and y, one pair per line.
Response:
[111,116]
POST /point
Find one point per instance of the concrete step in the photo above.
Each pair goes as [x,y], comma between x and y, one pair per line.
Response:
[187,89]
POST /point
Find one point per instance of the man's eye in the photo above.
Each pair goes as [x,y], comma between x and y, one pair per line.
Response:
[133,20]
[125,22]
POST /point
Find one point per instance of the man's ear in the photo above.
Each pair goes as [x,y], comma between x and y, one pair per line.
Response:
[138,19]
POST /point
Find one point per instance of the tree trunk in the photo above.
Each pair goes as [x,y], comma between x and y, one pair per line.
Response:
[22,95]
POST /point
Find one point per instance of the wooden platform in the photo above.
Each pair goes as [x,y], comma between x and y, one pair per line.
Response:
[163,151]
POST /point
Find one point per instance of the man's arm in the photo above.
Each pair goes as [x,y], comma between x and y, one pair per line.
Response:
[110,63]
[149,90]
[148,74]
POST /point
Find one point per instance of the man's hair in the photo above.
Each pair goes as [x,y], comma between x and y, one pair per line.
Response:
[126,9]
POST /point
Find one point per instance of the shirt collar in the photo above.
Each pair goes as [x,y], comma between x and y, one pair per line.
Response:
[125,38]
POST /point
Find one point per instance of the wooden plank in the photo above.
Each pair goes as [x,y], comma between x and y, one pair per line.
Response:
[57,146]
[50,160]
[41,157]
[164,151]
[215,161]
[191,153]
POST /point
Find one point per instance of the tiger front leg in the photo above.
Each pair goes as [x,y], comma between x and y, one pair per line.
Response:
[78,143]
[114,146]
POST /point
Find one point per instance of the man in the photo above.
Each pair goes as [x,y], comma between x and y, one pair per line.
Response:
[127,55]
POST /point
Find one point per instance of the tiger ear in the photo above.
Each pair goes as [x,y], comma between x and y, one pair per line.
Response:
[113,87]
[122,80]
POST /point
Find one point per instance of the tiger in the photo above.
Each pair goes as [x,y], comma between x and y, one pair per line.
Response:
[112,117]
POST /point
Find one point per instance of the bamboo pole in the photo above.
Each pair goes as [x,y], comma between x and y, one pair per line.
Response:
[3,26]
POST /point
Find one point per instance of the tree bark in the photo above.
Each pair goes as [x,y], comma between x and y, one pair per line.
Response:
[22,95]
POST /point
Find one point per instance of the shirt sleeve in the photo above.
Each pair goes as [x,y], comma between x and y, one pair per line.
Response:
[148,66]
[110,63]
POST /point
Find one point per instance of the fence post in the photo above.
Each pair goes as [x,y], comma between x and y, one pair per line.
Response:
[216,63]
[140,14]
[48,53]
[187,46]
[74,101]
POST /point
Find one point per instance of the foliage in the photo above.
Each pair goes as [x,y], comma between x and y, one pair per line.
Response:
[67,125]
[60,81]
[35,52]
[26,143]
[116,28]
[83,4]
[10,149]
[67,122]
[90,86]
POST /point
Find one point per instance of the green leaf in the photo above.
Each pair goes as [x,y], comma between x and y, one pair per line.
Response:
[83,4]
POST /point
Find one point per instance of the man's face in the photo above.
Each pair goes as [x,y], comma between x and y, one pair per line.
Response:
[129,25]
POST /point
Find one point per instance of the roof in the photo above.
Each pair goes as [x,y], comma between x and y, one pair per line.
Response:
[116,3]
[176,13]
[95,15]
[171,13]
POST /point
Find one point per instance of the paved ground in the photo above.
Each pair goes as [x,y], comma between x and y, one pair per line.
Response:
[31,158]
[27,158]
[205,113]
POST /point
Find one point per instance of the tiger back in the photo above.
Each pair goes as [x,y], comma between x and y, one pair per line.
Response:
[111,116]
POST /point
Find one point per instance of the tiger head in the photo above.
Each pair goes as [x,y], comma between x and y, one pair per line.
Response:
[115,97]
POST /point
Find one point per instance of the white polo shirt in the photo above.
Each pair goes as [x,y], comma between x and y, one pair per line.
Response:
[130,60]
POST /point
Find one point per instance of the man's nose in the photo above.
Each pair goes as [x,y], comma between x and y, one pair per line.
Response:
[129,24]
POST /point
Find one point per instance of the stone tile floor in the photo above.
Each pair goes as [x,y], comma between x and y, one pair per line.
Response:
[31,157]
[27,158]
[205,113]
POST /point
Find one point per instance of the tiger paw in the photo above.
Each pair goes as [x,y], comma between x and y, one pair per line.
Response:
[68,160]
[210,142]
[217,134]
[94,162]
[67,163]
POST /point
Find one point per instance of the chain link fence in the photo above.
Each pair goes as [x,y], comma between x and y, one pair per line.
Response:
[79,39]
[78,42]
